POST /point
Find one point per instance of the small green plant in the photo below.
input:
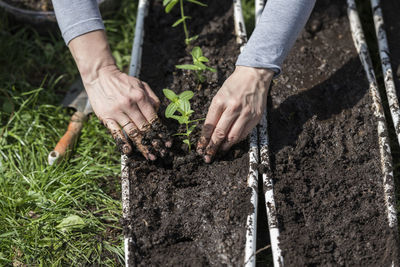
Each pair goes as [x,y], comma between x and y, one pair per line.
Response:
[169,4]
[198,64]
[181,104]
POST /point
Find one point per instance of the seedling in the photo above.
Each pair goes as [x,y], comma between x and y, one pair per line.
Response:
[181,104]
[169,4]
[198,64]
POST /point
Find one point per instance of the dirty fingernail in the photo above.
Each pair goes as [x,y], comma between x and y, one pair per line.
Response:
[126,149]
[163,152]
[152,157]
[168,144]
[207,159]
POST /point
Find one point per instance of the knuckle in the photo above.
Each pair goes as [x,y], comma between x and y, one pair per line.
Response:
[124,101]
[235,105]
[139,96]
[232,139]
[217,101]
[219,133]
[247,111]
[207,130]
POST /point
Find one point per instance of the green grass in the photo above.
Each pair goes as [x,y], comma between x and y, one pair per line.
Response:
[37,200]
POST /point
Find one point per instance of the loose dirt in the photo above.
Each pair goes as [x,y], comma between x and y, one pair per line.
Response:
[324,152]
[186,212]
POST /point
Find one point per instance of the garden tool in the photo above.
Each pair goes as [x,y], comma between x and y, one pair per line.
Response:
[77,99]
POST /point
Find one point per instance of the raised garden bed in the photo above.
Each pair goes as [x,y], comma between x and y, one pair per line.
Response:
[324,152]
[186,212]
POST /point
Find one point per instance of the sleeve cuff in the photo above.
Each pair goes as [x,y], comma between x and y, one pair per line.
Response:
[81,28]
[275,68]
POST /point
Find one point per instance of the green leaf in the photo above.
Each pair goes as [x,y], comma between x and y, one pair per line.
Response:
[170,95]
[184,105]
[178,118]
[197,2]
[189,40]
[186,95]
[183,120]
[191,128]
[170,5]
[202,59]
[186,141]
[196,52]
[180,134]
[200,65]
[179,21]
[71,222]
[165,2]
[211,69]
[188,67]
[170,110]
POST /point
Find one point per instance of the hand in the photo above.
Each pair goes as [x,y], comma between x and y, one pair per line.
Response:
[235,110]
[119,101]
[123,102]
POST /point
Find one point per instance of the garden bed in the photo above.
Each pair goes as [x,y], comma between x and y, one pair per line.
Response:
[324,152]
[186,212]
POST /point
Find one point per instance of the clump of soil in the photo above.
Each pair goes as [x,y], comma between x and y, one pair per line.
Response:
[324,152]
[186,212]
[37,5]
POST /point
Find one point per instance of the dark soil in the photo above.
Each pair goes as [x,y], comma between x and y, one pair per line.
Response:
[37,5]
[324,152]
[186,212]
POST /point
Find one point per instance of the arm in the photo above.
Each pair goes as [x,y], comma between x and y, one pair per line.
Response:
[119,101]
[239,104]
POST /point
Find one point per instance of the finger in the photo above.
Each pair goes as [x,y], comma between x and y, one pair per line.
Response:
[219,134]
[214,114]
[136,137]
[235,134]
[247,129]
[154,99]
[119,137]
[135,115]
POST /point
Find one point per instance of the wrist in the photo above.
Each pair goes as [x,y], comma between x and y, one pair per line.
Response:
[258,73]
[91,53]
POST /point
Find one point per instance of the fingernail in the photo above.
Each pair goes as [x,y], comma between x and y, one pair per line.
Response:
[168,144]
[207,159]
[152,157]
[126,149]
[163,152]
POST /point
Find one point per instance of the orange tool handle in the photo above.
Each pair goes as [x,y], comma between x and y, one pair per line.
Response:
[68,140]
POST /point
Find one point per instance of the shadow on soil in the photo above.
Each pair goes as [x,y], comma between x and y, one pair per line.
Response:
[328,98]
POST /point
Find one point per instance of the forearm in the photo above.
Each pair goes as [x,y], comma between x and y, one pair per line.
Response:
[275,34]
[91,53]
[77,17]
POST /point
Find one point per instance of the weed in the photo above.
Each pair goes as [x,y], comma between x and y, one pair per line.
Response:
[169,4]
[198,64]
[181,104]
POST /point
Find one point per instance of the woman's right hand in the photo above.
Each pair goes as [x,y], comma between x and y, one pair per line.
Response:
[119,100]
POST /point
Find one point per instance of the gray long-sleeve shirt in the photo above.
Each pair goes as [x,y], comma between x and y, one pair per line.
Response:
[273,37]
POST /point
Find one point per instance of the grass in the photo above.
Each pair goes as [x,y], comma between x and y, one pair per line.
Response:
[65,215]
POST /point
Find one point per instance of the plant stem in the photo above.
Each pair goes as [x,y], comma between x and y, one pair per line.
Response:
[188,137]
[184,22]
